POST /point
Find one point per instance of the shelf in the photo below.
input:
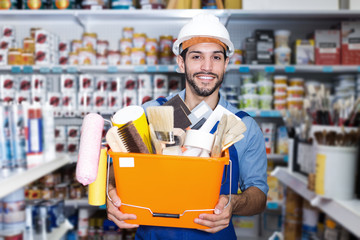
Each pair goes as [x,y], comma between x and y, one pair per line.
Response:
[59,232]
[18,180]
[173,68]
[264,113]
[295,68]
[63,69]
[278,157]
[176,14]
[76,203]
[346,213]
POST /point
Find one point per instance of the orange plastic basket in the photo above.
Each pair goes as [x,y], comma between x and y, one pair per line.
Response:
[167,190]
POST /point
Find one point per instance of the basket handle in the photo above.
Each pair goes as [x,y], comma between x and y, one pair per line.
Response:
[166,215]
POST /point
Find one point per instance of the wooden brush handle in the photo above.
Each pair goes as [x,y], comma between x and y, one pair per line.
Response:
[219,4]
[172,4]
[195,4]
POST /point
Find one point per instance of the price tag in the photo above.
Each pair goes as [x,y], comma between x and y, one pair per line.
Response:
[327,69]
[15,69]
[44,70]
[290,69]
[272,205]
[269,69]
[163,68]
[358,68]
[151,69]
[252,113]
[57,70]
[28,69]
[286,158]
[139,69]
[112,69]
[270,113]
[71,70]
[244,69]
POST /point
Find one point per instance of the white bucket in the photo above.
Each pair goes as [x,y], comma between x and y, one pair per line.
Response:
[335,172]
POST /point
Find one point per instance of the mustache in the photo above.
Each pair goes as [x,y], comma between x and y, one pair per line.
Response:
[206,73]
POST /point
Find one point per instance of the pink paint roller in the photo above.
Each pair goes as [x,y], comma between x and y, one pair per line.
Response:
[89,150]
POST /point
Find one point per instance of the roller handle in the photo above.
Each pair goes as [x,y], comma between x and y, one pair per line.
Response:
[166,215]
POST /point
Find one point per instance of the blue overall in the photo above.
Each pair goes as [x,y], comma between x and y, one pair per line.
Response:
[170,233]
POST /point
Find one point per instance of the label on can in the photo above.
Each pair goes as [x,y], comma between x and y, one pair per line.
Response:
[130,82]
[144,81]
[62,4]
[5,4]
[130,98]
[33,4]
[68,82]
[161,82]
[86,83]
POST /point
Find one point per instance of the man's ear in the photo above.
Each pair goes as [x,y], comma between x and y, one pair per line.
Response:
[180,62]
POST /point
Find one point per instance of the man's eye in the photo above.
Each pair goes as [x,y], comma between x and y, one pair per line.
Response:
[217,57]
[195,57]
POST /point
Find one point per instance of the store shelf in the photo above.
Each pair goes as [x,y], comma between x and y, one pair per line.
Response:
[173,68]
[18,180]
[278,157]
[62,69]
[59,232]
[264,113]
[76,203]
[111,15]
[273,205]
[295,68]
[346,213]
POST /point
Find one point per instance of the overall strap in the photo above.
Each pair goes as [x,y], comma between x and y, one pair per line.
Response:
[161,100]
[242,114]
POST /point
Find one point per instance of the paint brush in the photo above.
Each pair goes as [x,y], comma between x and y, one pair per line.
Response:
[132,139]
[162,119]
[219,136]
[114,140]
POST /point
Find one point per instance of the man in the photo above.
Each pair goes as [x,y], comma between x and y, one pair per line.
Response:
[203,49]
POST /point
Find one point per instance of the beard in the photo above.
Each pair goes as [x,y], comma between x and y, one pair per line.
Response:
[203,92]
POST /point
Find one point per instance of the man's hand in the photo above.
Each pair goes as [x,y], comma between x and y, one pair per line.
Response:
[113,212]
[220,219]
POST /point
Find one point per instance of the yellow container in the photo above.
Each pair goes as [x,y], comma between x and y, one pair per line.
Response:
[137,115]
[97,189]
[14,56]
[233,4]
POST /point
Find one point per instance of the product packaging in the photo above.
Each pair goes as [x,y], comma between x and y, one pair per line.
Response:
[304,52]
[327,47]
[264,46]
[350,43]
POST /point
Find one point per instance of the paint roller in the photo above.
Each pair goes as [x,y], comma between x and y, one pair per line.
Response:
[89,150]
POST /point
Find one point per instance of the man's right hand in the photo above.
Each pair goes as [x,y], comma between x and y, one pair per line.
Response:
[113,212]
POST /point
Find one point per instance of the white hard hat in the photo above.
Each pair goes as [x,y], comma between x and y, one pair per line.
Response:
[204,25]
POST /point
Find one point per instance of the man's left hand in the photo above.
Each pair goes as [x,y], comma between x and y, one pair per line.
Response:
[220,219]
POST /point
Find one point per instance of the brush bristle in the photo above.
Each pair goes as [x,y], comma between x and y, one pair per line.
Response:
[132,139]
[161,117]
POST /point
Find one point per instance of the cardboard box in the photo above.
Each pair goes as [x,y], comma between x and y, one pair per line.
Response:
[327,47]
[350,43]
[291,4]
[264,46]
[304,52]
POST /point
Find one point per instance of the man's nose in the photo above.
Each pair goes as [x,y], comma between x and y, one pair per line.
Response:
[206,65]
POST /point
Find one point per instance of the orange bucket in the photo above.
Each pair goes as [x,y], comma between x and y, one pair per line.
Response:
[166,190]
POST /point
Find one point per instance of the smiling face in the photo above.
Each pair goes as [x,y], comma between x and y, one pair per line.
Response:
[204,68]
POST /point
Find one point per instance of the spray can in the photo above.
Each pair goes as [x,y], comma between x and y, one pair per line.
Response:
[18,136]
[35,126]
[8,163]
